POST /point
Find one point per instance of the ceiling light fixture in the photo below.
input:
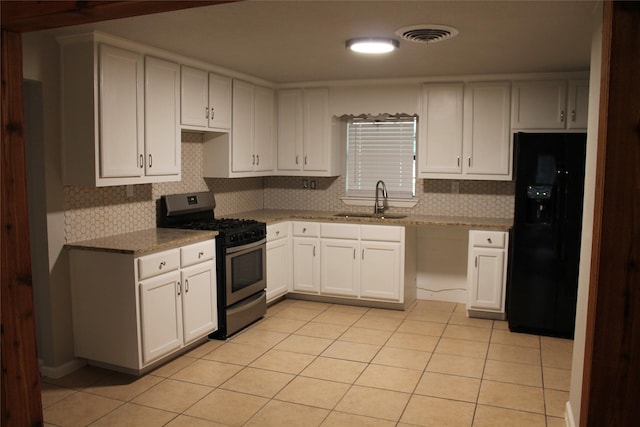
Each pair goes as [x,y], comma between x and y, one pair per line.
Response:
[372,45]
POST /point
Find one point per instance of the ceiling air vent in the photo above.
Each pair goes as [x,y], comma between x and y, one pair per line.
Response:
[427,33]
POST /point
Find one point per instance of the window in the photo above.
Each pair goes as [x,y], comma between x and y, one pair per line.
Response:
[381,148]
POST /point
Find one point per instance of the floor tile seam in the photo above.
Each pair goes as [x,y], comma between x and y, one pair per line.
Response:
[93,393]
[276,398]
[541,389]
[459,355]
[375,388]
[513,409]
[122,403]
[398,367]
[469,325]
[180,380]
[72,390]
[544,395]
[293,377]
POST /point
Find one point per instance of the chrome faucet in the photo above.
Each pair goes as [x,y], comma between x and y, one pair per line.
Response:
[379,208]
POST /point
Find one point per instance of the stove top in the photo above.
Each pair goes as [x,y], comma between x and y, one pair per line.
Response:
[194,211]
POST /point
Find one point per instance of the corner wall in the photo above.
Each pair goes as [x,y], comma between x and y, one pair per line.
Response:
[572,416]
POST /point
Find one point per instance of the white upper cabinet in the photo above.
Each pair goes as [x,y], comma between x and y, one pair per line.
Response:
[486,137]
[440,134]
[206,100]
[546,104]
[264,129]
[120,113]
[306,141]
[464,131]
[578,104]
[162,113]
[120,106]
[249,149]
[242,128]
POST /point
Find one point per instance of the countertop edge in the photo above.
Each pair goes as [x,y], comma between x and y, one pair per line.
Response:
[143,242]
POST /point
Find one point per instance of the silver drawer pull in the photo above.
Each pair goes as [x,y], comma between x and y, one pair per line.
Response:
[162,264]
[277,232]
[489,240]
[200,255]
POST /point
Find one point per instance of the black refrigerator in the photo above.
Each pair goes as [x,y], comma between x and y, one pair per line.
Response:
[544,252]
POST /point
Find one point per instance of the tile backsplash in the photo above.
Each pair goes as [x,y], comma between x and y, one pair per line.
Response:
[97,212]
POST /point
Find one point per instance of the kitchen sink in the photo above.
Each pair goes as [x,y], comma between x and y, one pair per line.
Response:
[369,215]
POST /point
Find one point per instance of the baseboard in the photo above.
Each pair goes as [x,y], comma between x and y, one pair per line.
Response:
[568,416]
[61,370]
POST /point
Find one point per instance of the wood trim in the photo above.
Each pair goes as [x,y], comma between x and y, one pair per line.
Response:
[21,16]
[611,377]
[21,393]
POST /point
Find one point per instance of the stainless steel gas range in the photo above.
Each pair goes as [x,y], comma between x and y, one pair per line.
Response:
[240,257]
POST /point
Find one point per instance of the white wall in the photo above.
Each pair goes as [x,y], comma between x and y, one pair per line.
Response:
[575,393]
[51,294]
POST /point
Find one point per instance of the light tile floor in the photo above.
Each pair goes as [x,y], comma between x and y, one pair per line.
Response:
[316,364]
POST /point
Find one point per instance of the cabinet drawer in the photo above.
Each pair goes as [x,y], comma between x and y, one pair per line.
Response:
[197,252]
[161,262]
[306,229]
[382,233]
[340,231]
[488,239]
[277,231]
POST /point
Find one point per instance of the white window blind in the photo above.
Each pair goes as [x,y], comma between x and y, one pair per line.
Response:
[381,149]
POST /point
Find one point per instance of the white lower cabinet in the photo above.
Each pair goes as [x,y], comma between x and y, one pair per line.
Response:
[487,273]
[278,256]
[160,316]
[349,260]
[381,270]
[306,257]
[340,272]
[131,312]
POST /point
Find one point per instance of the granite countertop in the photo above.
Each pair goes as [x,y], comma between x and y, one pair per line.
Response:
[271,216]
[144,241]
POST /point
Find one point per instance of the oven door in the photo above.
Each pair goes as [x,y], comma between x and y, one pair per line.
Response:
[245,268]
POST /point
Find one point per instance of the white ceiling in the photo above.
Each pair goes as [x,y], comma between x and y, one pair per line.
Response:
[303,41]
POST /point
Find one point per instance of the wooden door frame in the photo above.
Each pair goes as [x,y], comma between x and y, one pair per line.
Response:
[611,375]
[615,254]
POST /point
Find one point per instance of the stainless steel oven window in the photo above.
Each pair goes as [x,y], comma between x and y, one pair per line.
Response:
[245,271]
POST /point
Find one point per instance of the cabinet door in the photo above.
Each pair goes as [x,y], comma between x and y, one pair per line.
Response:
[193,97]
[199,309]
[578,104]
[316,130]
[219,102]
[263,136]
[290,120]
[486,278]
[539,104]
[340,272]
[380,270]
[277,268]
[243,156]
[121,107]
[487,142]
[160,315]
[440,136]
[162,113]
[306,264]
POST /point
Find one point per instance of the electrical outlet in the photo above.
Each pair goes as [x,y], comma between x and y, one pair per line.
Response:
[305,183]
[313,184]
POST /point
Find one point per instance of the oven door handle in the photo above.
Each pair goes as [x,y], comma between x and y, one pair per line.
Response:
[245,247]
